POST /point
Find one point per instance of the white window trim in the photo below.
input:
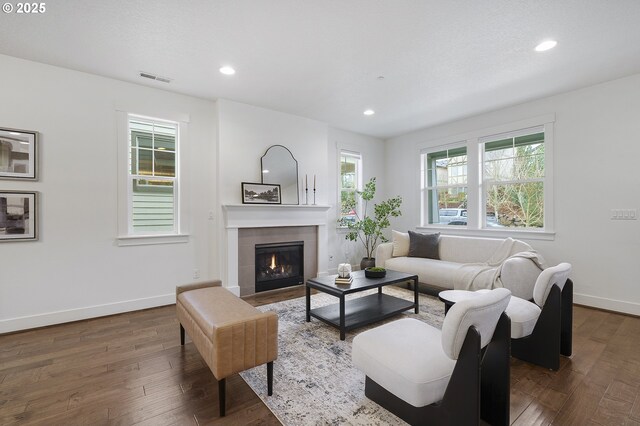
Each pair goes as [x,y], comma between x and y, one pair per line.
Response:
[492,233]
[348,152]
[424,182]
[547,129]
[475,197]
[125,236]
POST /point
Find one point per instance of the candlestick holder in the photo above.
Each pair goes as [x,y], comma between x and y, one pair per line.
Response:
[314,196]
[306,196]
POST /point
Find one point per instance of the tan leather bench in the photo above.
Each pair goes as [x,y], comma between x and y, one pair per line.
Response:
[230,334]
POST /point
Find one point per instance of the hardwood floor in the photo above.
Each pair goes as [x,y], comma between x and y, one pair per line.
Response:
[130,369]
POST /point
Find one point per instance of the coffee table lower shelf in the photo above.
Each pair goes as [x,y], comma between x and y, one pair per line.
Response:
[362,311]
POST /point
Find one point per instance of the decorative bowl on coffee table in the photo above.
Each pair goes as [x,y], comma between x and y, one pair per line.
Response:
[375,272]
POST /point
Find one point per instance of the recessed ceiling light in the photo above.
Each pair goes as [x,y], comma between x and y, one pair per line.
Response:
[227,70]
[369,112]
[546,45]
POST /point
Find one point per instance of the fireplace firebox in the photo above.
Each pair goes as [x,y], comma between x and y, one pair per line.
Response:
[279,265]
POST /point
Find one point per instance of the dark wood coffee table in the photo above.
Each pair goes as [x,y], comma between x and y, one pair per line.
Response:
[347,315]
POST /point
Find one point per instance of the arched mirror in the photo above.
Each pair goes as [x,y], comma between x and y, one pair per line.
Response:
[279,166]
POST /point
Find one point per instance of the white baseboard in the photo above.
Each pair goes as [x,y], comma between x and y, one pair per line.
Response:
[59,317]
[234,289]
[608,304]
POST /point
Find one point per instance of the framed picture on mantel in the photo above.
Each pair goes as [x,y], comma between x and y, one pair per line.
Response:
[261,193]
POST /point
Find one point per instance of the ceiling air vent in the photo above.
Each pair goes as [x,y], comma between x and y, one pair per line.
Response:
[155,77]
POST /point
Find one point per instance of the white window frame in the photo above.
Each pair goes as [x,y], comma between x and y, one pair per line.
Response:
[476,201]
[358,157]
[484,183]
[126,234]
[424,179]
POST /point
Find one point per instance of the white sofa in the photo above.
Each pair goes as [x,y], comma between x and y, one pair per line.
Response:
[467,263]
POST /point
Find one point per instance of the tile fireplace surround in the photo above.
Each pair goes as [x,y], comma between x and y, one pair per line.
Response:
[238,216]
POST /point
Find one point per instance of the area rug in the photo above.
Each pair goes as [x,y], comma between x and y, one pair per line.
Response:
[314,381]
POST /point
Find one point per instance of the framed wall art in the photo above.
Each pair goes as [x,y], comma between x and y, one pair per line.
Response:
[18,150]
[18,216]
[261,193]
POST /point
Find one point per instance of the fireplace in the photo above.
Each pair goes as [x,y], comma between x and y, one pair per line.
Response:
[279,265]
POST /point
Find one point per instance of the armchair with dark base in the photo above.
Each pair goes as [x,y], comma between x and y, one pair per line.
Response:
[451,377]
[541,330]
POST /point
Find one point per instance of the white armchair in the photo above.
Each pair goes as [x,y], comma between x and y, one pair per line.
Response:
[541,329]
[422,374]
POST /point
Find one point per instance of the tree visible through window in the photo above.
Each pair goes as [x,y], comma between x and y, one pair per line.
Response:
[153,176]
[491,180]
[514,180]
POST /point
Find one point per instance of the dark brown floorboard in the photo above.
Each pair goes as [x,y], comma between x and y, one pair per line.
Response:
[130,369]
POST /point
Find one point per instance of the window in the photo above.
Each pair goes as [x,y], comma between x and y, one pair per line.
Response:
[152,199]
[350,182]
[152,177]
[492,180]
[513,179]
[444,194]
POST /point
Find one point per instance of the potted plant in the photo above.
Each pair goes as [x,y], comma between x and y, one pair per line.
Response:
[375,272]
[366,228]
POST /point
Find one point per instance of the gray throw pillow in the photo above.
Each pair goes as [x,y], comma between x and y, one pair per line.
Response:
[424,245]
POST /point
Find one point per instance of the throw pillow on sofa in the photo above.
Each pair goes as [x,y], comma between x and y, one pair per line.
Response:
[400,244]
[424,245]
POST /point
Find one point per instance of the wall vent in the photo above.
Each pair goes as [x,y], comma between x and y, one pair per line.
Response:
[155,77]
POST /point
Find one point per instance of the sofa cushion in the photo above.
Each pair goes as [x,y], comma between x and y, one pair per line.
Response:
[424,245]
[406,358]
[475,249]
[517,274]
[400,243]
[523,315]
[430,271]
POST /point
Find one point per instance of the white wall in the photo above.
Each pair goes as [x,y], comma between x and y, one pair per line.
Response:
[76,270]
[596,152]
[373,165]
[247,131]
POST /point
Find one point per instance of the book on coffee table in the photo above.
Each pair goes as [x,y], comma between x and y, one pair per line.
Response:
[344,280]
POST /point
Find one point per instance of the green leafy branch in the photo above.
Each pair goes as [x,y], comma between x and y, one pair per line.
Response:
[368,229]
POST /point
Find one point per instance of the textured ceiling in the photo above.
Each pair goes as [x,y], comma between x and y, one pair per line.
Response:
[441,60]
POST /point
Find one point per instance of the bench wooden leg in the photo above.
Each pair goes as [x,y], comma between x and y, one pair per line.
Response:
[221,396]
[181,335]
[270,378]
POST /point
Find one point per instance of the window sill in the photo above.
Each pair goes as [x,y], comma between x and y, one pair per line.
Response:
[491,233]
[142,240]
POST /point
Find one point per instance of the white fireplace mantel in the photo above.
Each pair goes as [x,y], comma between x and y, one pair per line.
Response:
[238,216]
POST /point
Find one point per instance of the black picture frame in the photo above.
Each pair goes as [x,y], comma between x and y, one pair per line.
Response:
[18,216]
[18,154]
[261,193]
